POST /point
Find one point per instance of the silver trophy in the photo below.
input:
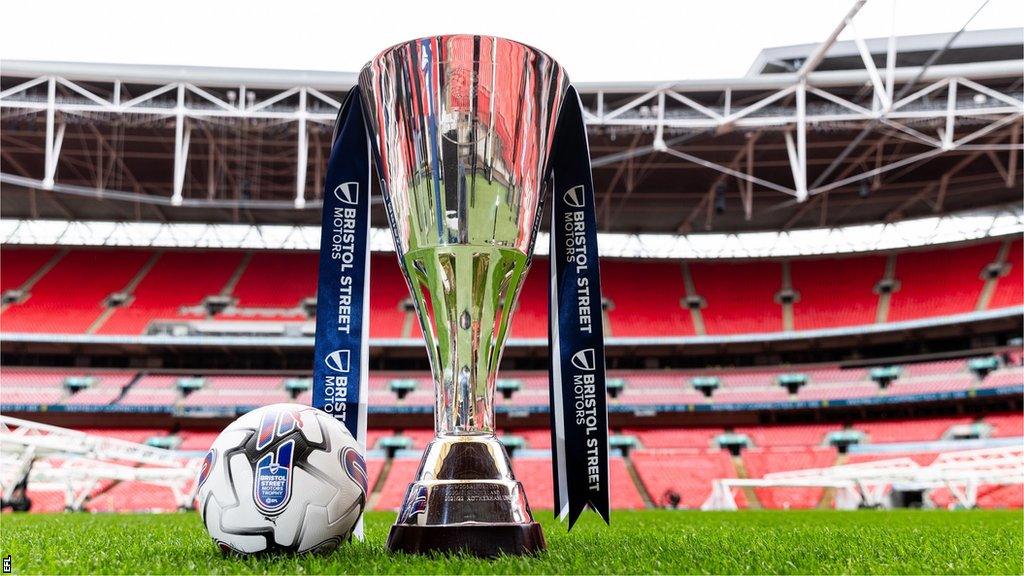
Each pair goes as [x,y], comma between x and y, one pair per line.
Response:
[462,127]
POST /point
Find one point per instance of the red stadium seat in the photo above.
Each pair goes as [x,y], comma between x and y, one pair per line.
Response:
[161,294]
[61,302]
[687,472]
[761,462]
[740,296]
[19,264]
[1010,288]
[928,290]
[836,291]
[646,297]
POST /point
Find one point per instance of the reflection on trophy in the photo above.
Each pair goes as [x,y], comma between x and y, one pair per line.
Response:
[462,127]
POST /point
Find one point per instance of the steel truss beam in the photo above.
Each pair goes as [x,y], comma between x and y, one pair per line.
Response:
[795,106]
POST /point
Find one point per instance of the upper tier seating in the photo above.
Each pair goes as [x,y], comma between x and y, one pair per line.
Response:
[939,282]
[69,297]
[277,280]
[1010,288]
[19,265]
[161,294]
[530,319]
[836,291]
[646,298]
[740,296]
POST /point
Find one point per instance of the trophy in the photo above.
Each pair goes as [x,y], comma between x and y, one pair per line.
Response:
[461,127]
[462,131]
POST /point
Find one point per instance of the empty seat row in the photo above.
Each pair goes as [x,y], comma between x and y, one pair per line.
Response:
[140,288]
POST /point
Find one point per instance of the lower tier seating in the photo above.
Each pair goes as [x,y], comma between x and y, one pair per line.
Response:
[98,389]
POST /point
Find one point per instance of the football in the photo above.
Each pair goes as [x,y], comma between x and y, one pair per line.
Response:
[283,478]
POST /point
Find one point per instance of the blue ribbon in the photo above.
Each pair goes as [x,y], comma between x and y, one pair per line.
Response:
[341,355]
[579,411]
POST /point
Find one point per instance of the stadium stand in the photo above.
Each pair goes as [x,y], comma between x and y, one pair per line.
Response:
[669,462]
[160,295]
[1010,288]
[61,302]
[738,387]
[759,462]
[294,276]
[19,265]
[1006,425]
[795,435]
[927,290]
[393,491]
[531,319]
[738,297]
[685,472]
[650,306]
[836,292]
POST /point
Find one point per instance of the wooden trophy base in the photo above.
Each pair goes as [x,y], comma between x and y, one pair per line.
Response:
[483,540]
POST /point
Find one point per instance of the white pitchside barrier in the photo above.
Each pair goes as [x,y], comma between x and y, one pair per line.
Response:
[75,463]
[868,483]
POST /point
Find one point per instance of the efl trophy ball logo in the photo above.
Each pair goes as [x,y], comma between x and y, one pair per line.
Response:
[272,486]
[272,479]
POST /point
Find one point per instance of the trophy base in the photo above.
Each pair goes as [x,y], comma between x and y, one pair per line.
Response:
[466,499]
[483,540]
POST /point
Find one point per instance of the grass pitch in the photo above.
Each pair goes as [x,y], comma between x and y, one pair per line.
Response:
[652,541]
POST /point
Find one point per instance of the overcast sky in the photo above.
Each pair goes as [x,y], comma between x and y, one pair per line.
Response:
[595,40]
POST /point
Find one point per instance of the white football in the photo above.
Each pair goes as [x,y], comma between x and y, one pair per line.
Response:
[282,478]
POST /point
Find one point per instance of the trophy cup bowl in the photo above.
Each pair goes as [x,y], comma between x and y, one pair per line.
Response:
[461,127]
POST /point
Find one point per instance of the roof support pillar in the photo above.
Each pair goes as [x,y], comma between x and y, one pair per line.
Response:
[182,135]
[303,153]
[54,135]
[947,135]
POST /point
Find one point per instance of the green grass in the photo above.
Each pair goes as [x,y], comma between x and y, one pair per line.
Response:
[902,542]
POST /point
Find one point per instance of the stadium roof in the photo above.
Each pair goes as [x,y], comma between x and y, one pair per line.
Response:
[817,136]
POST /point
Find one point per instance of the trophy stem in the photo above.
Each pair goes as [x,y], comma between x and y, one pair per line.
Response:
[463,294]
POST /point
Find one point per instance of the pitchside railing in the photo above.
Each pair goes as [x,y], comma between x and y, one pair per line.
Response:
[50,458]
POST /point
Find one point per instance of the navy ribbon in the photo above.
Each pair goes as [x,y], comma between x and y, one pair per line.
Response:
[341,355]
[579,411]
